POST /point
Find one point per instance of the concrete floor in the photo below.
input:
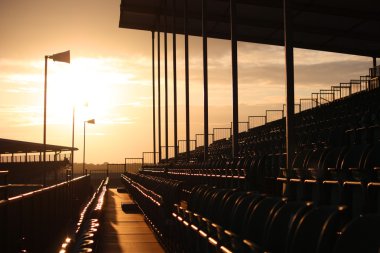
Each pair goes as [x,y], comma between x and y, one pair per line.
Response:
[125,232]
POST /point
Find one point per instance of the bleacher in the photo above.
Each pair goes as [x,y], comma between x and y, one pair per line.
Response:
[328,201]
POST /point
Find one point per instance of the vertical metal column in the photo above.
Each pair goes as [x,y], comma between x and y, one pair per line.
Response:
[374,62]
[72,145]
[235,101]
[166,86]
[175,81]
[205,77]
[187,83]
[154,101]
[289,65]
[45,102]
[159,95]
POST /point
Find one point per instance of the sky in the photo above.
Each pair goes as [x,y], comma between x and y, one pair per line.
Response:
[110,78]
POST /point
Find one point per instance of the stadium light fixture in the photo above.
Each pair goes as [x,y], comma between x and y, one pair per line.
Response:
[61,57]
[91,121]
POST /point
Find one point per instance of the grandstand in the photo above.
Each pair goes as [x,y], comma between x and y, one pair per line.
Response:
[301,178]
[24,168]
[304,177]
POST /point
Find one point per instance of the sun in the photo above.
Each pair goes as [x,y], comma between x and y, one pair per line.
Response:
[86,84]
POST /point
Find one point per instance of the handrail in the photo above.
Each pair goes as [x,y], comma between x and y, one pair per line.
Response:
[19,158]
[37,218]
[81,240]
[20,185]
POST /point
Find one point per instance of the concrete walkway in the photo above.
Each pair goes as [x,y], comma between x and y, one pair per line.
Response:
[125,232]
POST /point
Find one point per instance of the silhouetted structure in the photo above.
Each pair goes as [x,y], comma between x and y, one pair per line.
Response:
[298,179]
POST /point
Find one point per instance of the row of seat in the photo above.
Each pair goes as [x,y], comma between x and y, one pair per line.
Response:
[156,198]
[322,126]
[357,161]
[225,220]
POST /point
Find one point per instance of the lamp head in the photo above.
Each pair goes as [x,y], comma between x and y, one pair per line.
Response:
[62,57]
[91,121]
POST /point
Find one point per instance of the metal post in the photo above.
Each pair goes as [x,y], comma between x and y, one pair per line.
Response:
[166,87]
[72,145]
[154,100]
[187,82]
[289,64]
[235,102]
[45,102]
[84,147]
[175,81]
[374,62]
[159,96]
[205,77]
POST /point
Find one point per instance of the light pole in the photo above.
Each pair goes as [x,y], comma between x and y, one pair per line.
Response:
[72,146]
[91,121]
[62,57]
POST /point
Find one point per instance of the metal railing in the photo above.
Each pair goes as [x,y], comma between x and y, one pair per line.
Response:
[182,145]
[243,126]
[33,222]
[255,121]
[171,152]
[34,158]
[149,158]
[272,115]
[200,141]
[222,133]
[374,72]
[133,164]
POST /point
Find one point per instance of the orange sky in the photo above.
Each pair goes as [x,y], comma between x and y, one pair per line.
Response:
[111,73]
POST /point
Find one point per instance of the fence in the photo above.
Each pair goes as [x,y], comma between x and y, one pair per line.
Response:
[308,103]
[182,145]
[242,126]
[222,133]
[326,96]
[171,152]
[133,165]
[272,115]
[150,158]
[200,140]
[36,221]
[297,108]
[374,72]
[255,121]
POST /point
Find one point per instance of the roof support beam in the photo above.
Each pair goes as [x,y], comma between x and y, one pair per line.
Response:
[235,96]
[154,102]
[175,84]
[289,66]
[166,88]
[205,77]
[187,81]
[159,94]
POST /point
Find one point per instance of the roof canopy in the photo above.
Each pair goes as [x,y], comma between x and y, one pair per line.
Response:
[342,26]
[12,146]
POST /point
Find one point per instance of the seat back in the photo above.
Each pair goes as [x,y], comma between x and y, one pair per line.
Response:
[360,235]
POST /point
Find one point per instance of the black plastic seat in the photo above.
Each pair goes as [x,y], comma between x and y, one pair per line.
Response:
[360,235]
[278,229]
[257,219]
[316,231]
